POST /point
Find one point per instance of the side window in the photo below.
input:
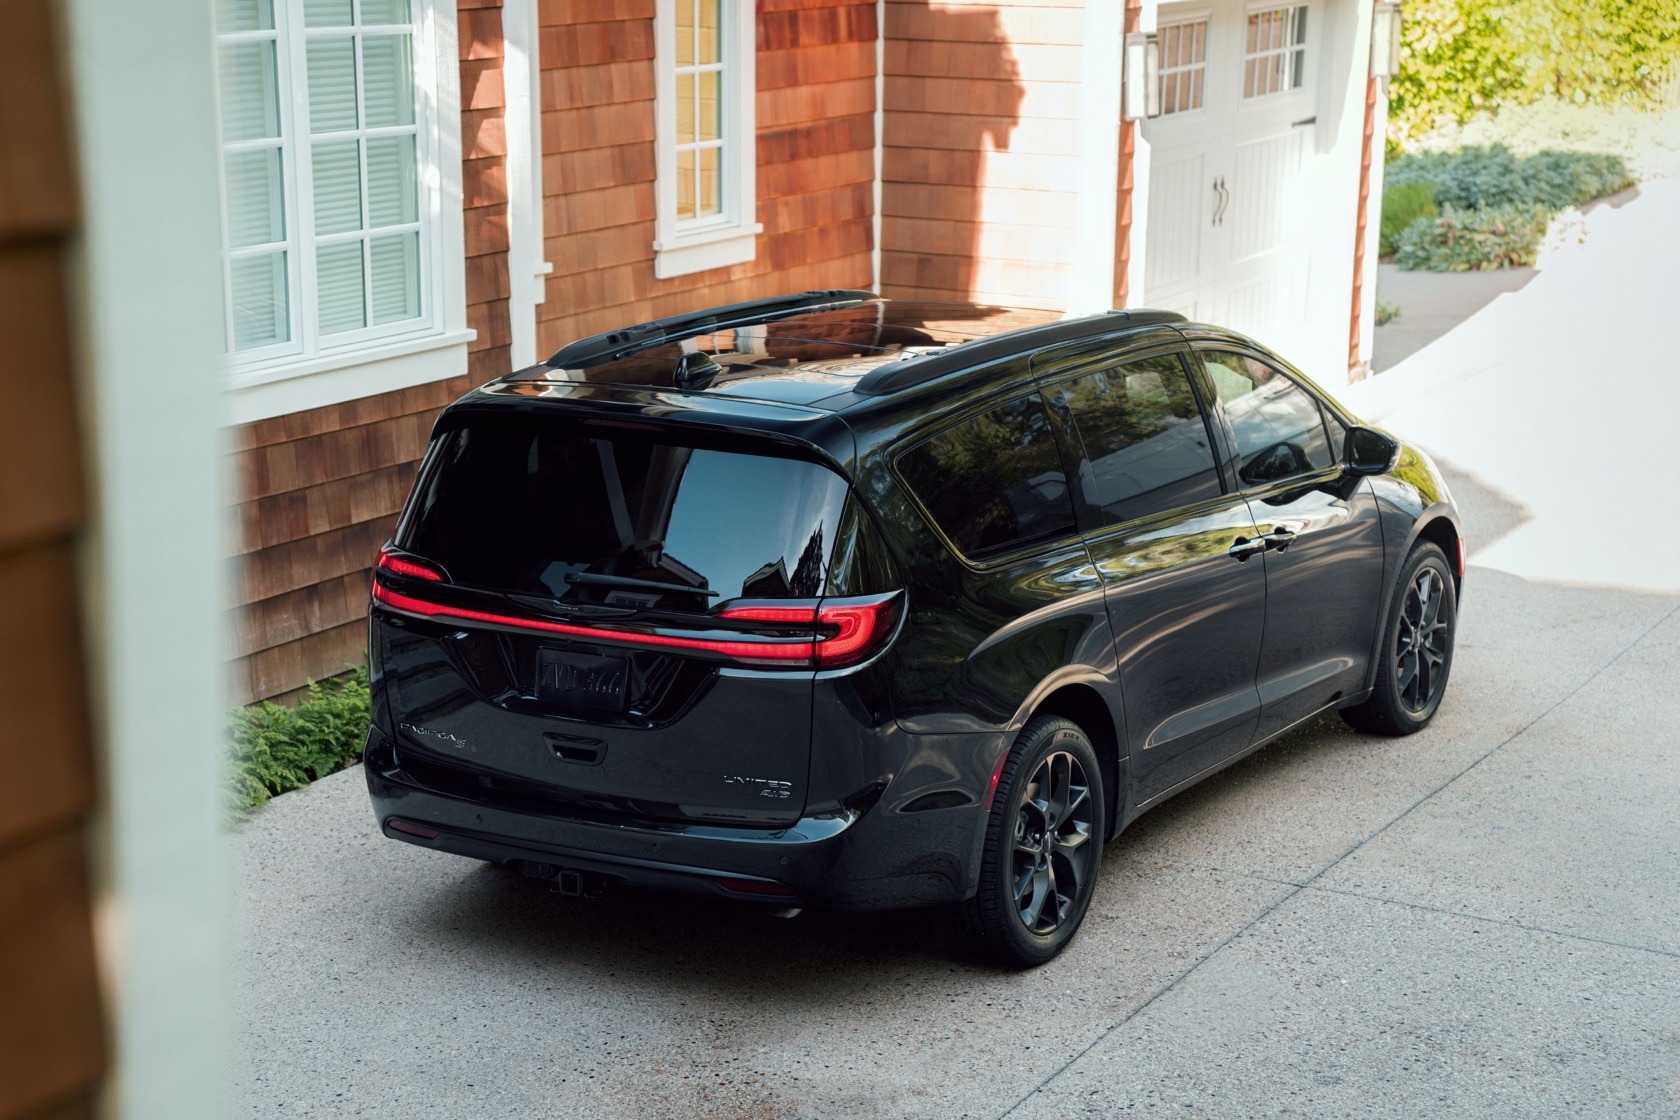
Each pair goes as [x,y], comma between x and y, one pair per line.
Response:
[1146,447]
[993,480]
[1277,424]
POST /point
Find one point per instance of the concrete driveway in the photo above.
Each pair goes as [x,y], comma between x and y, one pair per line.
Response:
[1481,920]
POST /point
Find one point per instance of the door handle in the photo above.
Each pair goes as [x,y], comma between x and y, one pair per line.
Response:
[1278,538]
[1221,199]
[1242,548]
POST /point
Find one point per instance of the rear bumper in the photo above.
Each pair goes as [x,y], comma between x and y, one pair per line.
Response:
[876,859]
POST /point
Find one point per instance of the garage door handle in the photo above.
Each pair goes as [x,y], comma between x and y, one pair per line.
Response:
[1243,548]
[1222,198]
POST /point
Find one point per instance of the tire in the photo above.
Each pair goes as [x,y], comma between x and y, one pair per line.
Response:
[1022,854]
[1417,649]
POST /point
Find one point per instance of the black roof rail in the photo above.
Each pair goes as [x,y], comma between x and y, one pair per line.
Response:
[611,345]
[894,376]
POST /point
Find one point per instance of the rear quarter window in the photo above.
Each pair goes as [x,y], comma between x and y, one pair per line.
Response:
[994,480]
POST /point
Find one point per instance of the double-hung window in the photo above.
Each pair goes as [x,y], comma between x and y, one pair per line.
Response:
[335,155]
[704,129]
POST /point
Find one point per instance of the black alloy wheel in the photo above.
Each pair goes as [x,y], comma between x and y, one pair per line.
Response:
[1417,649]
[1420,644]
[1043,848]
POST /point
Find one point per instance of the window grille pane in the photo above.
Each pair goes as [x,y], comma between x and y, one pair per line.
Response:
[685,32]
[396,277]
[1275,60]
[711,181]
[388,80]
[685,108]
[332,84]
[250,96]
[326,13]
[244,15]
[255,199]
[384,11]
[338,187]
[338,282]
[685,184]
[711,105]
[259,301]
[706,31]
[1183,65]
[393,186]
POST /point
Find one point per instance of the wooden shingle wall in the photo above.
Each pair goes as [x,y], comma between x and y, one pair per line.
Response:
[981,158]
[319,491]
[816,99]
[51,1030]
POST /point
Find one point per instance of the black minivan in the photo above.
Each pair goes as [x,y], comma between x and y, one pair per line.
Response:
[830,600]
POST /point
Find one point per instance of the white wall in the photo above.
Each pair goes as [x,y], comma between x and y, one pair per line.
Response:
[146,288]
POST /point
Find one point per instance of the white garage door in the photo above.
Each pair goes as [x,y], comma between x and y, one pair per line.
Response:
[1237,101]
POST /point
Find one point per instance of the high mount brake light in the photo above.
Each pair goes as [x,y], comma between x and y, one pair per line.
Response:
[397,566]
[860,626]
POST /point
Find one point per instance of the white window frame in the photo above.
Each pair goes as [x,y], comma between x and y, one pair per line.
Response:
[1265,55]
[292,376]
[680,246]
[1186,20]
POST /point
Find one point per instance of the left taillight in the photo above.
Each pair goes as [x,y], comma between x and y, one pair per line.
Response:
[410,567]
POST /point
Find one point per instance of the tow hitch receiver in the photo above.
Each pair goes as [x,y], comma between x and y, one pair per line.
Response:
[565,880]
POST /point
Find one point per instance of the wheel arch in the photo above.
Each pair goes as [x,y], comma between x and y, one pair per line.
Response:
[1081,702]
[1441,529]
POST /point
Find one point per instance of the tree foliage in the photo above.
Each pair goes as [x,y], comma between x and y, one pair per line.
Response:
[1458,57]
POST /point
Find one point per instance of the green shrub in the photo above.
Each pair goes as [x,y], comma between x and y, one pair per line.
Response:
[1386,313]
[1493,206]
[1491,178]
[1401,206]
[276,748]
[1462,240]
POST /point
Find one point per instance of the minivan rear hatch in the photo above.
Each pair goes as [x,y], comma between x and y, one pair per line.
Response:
[610,615]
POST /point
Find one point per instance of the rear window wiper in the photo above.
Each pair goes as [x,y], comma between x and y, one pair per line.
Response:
[598,580]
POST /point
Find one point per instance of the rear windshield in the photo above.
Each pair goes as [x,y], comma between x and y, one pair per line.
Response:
[600,514]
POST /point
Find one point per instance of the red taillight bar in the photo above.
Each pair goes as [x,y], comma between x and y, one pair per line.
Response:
[763,651]
[860,627]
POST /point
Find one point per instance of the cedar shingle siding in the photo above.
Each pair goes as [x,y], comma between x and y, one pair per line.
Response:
[51,1031]
[320,490]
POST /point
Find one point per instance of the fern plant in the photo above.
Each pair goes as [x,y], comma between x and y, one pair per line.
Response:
[275,748]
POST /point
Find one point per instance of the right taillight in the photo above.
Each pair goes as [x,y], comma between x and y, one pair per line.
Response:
[861,626]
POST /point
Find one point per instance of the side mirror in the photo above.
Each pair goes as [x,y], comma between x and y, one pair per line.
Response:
[1368,451]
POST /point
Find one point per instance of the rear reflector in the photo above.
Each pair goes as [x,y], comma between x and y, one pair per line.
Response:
[755,886]
[1461,559]
[399,825]
[997,773]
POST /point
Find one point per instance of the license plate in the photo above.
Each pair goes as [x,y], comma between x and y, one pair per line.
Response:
[582,681]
